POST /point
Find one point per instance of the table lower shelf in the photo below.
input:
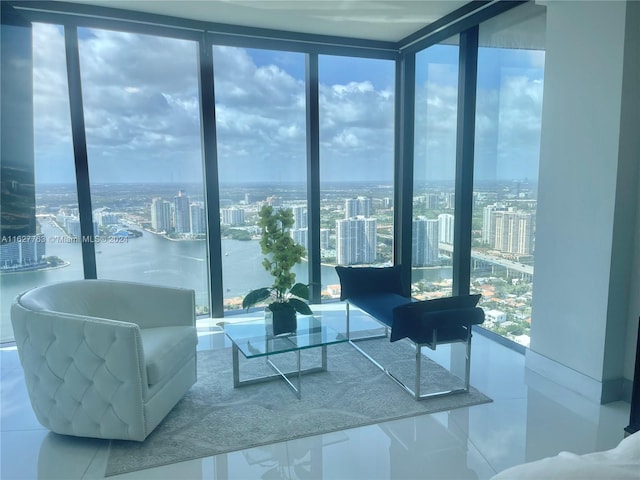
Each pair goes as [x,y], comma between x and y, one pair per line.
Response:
[292,378]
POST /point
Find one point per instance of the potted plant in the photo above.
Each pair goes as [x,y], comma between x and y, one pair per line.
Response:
[284,298]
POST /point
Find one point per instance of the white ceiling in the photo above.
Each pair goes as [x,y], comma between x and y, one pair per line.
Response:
[389,20]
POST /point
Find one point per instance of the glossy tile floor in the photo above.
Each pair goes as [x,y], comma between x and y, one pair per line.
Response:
[530,418]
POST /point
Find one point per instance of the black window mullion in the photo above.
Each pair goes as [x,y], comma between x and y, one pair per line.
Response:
[403,188]
[313,177]
[80,153]
[210,167]
[467,79]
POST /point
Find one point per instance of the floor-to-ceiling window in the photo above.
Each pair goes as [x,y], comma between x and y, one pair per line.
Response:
[434,171]
[356,106]
[52,254]
[142,122]
[143,130]
[261,144]
[507,144]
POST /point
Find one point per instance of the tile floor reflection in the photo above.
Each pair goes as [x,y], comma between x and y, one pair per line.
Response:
[530,418]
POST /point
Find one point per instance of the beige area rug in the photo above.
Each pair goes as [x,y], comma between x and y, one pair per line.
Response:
[214,418]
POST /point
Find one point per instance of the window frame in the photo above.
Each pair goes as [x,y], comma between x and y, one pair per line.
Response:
[463,21]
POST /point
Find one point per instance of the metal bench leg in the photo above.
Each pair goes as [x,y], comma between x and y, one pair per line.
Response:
[418,371]
[467,367]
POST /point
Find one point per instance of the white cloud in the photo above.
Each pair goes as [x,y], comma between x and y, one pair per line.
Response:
[435,131]
[508,126]
[142,110]
[142,114]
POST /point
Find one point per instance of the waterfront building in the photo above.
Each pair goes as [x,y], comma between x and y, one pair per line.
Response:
[62,218]
[300,236]
[232,216]
[27,252]
[72,227]
[445,225]
[161,215]
[182,215]
[424,242]
[69,211]
[356,241]
[197,218]
[300,216]
[104,217]
[324,238]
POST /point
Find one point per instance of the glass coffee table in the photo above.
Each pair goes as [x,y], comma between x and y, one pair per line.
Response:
[251,338]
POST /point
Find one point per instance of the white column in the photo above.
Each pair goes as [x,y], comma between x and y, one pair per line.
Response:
[587,197]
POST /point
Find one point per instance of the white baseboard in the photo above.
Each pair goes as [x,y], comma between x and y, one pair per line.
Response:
[594,390]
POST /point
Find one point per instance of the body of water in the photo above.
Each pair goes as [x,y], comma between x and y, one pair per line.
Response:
[156,260]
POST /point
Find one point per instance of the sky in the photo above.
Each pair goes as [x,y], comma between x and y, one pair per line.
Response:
[142,115]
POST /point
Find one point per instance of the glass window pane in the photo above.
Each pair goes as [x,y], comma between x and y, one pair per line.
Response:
[142,120]
[434,170]
[356,164]
[508,122]
[261,134]
[51,255]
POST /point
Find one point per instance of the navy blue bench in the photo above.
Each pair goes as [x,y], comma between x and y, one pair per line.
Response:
[377,291]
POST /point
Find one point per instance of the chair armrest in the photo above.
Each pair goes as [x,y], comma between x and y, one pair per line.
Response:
[417,320]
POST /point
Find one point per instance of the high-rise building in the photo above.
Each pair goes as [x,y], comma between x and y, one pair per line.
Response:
[357,207]
[161,215]
[197,217]
[424,243]
[432,200]
[182,215]
[105,217]
[445,224]
[488,229]
[324,239]
[356,241]
[300,236]
[450,200]
[232,216]
[72,226]
[513,232]
[300,217]
[30,251]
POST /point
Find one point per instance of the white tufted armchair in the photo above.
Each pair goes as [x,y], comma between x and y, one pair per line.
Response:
[104,358]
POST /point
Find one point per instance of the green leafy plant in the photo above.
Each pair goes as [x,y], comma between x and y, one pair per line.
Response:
[281,254]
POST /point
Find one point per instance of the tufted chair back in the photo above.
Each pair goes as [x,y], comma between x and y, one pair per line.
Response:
[81,345]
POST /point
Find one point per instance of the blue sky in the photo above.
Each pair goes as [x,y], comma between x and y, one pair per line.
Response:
[142,115]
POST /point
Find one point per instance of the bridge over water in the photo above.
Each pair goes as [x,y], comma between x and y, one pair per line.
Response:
[482,261]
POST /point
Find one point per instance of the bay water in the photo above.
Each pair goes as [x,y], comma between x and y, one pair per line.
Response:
[156,260]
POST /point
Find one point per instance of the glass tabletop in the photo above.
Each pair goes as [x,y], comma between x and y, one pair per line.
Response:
[253,341]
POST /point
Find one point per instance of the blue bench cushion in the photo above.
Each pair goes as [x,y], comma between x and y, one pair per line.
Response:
[359,281]
[380,306]
[378,292]
[417,320]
